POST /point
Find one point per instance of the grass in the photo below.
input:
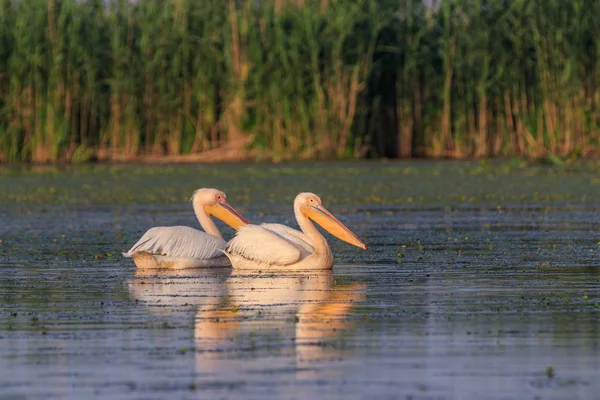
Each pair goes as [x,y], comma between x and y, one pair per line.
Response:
[298,79]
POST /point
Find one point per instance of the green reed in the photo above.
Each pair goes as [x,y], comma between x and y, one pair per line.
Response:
[298,79]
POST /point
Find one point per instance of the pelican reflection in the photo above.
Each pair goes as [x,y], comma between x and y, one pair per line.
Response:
[165,290]
[275,316]
[251,322]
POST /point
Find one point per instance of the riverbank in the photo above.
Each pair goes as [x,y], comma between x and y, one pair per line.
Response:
[345,79]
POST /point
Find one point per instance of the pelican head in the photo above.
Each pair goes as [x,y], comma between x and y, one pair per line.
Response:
[310,206]
[214,202]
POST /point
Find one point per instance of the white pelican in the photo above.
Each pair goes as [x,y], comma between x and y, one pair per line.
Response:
[279,247]
[178,247]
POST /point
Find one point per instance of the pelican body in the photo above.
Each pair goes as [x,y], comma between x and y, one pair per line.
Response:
[178,247]
[279,247]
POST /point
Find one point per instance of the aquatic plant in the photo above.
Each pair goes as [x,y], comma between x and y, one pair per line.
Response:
[298,78]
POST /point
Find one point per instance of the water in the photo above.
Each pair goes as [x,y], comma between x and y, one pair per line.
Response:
[480,281]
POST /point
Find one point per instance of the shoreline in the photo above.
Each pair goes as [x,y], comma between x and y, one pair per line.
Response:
[238,151]
[200,159]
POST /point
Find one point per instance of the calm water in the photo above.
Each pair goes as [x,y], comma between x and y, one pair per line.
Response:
[481,282]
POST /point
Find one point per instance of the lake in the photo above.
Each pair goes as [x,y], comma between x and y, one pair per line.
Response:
[481,280]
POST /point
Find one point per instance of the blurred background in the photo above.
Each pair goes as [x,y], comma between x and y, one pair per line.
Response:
[217,80]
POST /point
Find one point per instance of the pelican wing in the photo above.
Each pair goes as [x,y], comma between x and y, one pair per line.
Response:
[179,242]
[292,235]
[259,243]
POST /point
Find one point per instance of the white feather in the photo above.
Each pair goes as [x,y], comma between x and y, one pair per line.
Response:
[178,242]
[264,245]
[293,235]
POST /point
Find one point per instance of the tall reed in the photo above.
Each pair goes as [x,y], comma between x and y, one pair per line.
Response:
[478,78]
[298,78]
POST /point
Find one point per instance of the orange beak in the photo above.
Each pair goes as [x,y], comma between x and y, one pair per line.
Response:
[321,216]
[226,213]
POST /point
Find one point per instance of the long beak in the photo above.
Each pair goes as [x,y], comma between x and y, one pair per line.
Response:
[321,216]
[226,213]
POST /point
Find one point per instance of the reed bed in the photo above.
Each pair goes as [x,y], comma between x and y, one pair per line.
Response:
[83,80]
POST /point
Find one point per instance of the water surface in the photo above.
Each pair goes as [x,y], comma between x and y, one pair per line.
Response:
[481,281]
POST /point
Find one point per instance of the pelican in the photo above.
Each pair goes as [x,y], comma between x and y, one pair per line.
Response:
[177,247]
[279,247]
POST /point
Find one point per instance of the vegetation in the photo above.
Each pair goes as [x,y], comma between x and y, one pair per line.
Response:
[298,78]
